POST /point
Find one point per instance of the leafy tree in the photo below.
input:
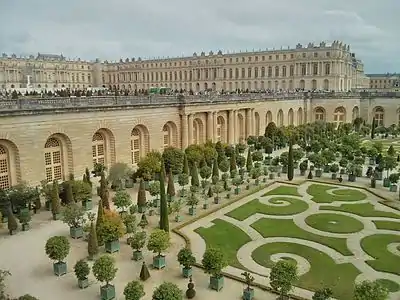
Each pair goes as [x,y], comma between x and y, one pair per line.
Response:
[224,165]
[167,291]
[283,276]
[138,240]
[290,173]
[233,166]
[93,245]
[55,200]
[205,172]
[186,258]
[270,130]
[159,241]
[134,290]
[141,196]
[57,248]
[185,165]
[173,159]
[26,297]
[240,161]
[69,197]
[149,165]
[164,222]
[195,176]
[100,223]
[249,161]
[170,187]
[122,200]
[373,128]
[370,290]
[104,269]
[12,224]
[118,173]
[81,269]
[391,151]
[209,153]
[183,180]
[215,170]
[194,154]
[214,260]
[322,294]
[257,156]
[154,188]
[73,215]
[81,190]
[112,228]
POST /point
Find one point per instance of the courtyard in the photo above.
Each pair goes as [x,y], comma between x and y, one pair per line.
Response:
[337,235]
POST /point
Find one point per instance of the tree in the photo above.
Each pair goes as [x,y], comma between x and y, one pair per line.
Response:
[164,222]
[104,269]
[138,240]
[186,258]
[185,165]
[87,177]
[81,269]
[159,241]
[214,260]
[57,248]
[370,290]
[391,151]
[12,223]
[104,194]
[141,196]
[194,154]
[167,291]
[26,297]
[195,176]
[249,161]
[100,223]
[233,166]
[224,165]
[144,272]
[282,277]
[73,215]
[373,128]
[93,245]
[290,173]
[170,187]
[215,170]
[134,290]
[55,200]
[173,159]
[322,294]
[205,172]
[112,228]
[81,190]
[69,197]
[3,275]
[183,179]
[122,200]
[118,174]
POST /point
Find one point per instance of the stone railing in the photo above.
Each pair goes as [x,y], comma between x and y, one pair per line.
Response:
[51,103]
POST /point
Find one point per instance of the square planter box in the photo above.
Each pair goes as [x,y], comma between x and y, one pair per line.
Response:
[159,262]
[178,218]
[379,175]
[271,176]
[112,247]
[216,283]
[334,176]
[60,268]
[386,182]
[248,294]
[393,187]
[318,173]
[352,178]
[187,272]
[26,227]
[83,284]
[76,232]
[137,255]
[205,205]
[216,200]
[192,211]
[87,205]
[107,292]
[237,190]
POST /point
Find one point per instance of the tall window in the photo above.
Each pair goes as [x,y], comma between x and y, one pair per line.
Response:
[98,149]
[135,145]
[284,71]
[339,116]
[319,114]
[379,115]
[53,160]
[303,69]
[166,136]
[4,169]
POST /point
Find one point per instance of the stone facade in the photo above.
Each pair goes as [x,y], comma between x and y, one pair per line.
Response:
[323,66]
[384,82]
[51,138]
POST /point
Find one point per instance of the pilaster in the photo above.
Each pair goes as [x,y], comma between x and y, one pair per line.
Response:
[214,120]
[231,127]
[190,129]
[184,124]
[210,130]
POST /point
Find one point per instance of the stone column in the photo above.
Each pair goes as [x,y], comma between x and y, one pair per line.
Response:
[184,122]
[231,127]
[248,123]
[190,129]
[210,130]
[235,127]
[215,126]
[253,122]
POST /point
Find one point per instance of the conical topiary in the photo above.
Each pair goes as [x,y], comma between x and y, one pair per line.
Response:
[249,161]
[190,292]
[55,200]
[99,223]
[37,203]
[143,221]
[185,166]
[144,272]
[310,175]
[12,222]
[141,196]
[215,170]
[69,196]
[87,176]
[195,176]
[164,222]
[93,246]
[171,187]
[210,192]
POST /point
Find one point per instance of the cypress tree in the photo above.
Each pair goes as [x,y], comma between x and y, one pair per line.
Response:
[185,165]
[103,184]
[290,172]
[215,171]
[171,186]
[69,196]
[99,223]
[195,176]
[93,246]
[141,196]
[233,166]
[144,272]
[12,222]
[373,129]
[55,200]
[249,161]
[164,222]
[87,173]
[38,203]
[105,199]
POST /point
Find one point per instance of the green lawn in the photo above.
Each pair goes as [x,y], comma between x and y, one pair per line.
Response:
[319,194]
[390,285]
[331,222]
[287,228]
[227,237]
[283,190]
[324,271]
[361,209]
[255,206]
[376,246]
[388,225]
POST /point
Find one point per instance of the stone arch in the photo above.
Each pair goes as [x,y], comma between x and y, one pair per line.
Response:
[257,124]
[379,114]
[290,117]
[339,115]
[221,129]
[140,143]
[58,159]
[241,128]
[103,147]
[355,113]
[170,135]
[300,116]
[279,118]
[10,172]
[268,118]
[198,131]
[319,114]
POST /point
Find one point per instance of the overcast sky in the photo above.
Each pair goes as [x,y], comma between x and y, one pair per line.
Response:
[151,28]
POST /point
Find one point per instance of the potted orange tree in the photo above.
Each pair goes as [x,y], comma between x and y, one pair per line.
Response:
[104,270]
[82,271]
[111,231]
[214,261]
[57,248]
[187,260]
[159,241]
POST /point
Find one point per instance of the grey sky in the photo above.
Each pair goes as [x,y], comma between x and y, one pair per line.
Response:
[152,28]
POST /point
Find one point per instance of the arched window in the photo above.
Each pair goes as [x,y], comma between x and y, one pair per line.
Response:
[339,116]
[290,117]
[167,138]
[135,145]
[379,115]
[53,160]
[98,149]
[280,118]
[257,124]
[319,114]
[197,131]
[241,128]
[4,169]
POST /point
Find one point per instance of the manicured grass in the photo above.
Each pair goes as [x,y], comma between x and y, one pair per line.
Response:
[324,271]
[388,225]
[227,237]
[361,209]
[287,228]
[295,206]
[376,246]
[283,190]
[390,285]
[319,194]
[335,223]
